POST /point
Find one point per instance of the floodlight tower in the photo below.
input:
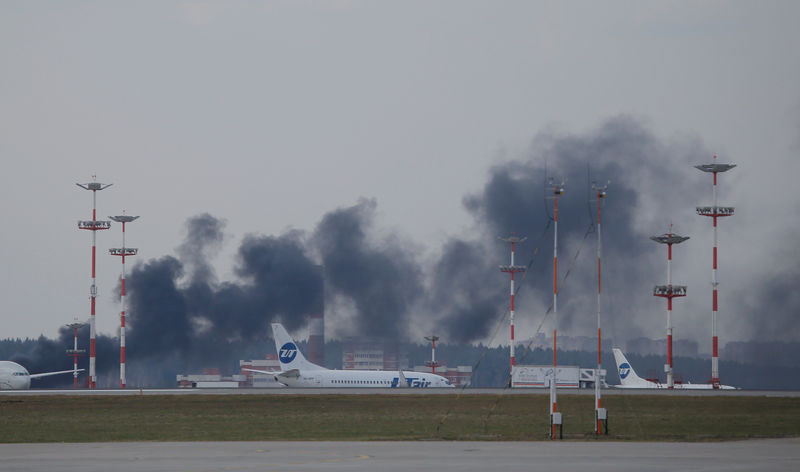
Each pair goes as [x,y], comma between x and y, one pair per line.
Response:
[601,416]
[74,353]
[93,225]
[122,252]
[512,269]
[555,416]
[669,292]
[714,212]
[432,363]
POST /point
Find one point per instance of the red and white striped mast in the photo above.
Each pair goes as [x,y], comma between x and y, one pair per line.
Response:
[669,292]
[512,269]
[93,225]
[432,363]
[555,416]
[122,252]
[75,353]
[714,212]
[601,416]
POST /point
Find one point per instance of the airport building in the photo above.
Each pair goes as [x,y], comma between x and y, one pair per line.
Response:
[210,378]
[459,376]
[359,354]
[539,376]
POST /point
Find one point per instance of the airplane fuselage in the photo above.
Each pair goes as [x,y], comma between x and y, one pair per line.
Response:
[362,379]
[677,386]
[13,376]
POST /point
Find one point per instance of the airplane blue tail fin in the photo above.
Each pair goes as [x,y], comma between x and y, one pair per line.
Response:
[627,376]
[289,355]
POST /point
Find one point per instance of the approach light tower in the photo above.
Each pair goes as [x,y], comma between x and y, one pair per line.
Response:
[93,225]
[601,415]
[555,416]
[512,269]
[432,363]
[122,252]
[669,292]
[75,353]
[714,212]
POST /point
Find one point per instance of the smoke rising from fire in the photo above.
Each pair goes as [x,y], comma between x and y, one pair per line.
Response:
[179,310]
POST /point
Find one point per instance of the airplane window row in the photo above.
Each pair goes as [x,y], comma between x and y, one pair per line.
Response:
[362,382]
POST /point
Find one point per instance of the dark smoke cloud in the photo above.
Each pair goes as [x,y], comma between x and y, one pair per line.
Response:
[196,322]
[648,178]
[182,318]
[383,279]
[204,235]
[461,296]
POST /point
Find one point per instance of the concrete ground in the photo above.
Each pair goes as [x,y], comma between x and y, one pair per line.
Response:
[769,454]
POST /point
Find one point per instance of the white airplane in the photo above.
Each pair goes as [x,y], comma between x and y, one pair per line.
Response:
[15,377]
[299,372]
[629,378]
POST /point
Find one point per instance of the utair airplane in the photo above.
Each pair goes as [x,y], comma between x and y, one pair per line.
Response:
[15,377]
[629,379]
[299,372]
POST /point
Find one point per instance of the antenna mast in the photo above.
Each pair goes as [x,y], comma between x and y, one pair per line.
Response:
[93,225]
[512,269]
[122,252]
[714,212]
[601,415]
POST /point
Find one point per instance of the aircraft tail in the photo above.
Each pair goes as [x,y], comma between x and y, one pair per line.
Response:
[288,353]
[627,376]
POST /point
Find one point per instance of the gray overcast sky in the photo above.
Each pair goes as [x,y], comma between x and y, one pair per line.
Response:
[271,114]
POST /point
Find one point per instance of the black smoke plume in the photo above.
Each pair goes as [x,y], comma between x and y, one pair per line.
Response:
[382,279]
[201,323]
[182,318]
[648,177]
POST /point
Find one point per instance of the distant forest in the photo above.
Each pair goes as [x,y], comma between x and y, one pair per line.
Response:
[490,365]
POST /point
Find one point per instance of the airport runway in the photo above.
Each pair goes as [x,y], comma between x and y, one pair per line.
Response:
[771,454]
[396,391]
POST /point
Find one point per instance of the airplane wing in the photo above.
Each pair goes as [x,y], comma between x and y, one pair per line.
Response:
[47,374]
[286,373]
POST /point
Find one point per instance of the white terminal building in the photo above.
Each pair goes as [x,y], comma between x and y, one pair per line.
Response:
[539,376]
[211,378]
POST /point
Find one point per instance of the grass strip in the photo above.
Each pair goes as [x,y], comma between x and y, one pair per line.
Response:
[83,418]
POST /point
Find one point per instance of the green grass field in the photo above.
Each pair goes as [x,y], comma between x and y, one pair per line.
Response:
[388,417]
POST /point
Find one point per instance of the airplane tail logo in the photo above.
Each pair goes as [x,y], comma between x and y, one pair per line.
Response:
[287,353]
[624,370]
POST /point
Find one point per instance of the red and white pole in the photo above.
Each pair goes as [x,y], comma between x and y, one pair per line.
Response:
[124,251]
[512,269]
[122,380]
[93,292]
[75,352]
[669,292]
[511,316]
[93,226]
[557,190]
[714,298]
[433,354]
[670,379]
[714,212]
[598,402]
[75,358]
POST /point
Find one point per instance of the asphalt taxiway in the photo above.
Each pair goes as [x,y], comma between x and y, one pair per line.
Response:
[396,391]
[441,456]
